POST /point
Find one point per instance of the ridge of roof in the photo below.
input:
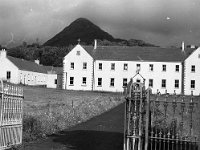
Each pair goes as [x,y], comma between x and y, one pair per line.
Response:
[137,53]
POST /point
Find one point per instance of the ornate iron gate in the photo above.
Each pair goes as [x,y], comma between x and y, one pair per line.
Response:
[158,122]
[11,101]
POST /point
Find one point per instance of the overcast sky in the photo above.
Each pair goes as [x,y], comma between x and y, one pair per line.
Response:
[161,22]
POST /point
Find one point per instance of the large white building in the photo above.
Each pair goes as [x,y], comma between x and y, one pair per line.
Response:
[110,68]
[19,71]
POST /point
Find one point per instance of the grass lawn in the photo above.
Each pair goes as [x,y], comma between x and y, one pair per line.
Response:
[47,111]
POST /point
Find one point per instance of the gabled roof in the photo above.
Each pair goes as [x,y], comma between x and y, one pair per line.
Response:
[124,53]
[32,66]
[26,65]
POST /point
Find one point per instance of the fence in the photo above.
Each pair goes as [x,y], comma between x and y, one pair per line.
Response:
[11,108]
[157,122]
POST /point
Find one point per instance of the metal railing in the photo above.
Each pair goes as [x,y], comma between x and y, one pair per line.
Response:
[11,110]
[158,122]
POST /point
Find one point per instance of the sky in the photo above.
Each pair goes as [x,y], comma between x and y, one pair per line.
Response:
[160,22]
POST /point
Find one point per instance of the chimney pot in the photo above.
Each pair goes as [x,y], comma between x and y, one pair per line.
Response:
[95,44]
[183,46]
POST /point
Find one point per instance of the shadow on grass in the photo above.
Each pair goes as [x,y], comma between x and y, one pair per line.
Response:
[90,140]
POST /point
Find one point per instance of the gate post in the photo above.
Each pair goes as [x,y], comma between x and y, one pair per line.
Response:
[147,119]
[135,109]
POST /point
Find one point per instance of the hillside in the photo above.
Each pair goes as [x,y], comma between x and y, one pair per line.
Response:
[87,31]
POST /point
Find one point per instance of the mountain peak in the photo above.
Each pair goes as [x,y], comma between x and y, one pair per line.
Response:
[84,30]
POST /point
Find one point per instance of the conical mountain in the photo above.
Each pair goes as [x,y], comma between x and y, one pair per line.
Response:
[82,29]
[87,31]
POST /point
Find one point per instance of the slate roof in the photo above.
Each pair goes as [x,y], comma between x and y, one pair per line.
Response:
[124,53]
[32,66]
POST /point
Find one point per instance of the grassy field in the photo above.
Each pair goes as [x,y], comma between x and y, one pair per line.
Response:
[47,111]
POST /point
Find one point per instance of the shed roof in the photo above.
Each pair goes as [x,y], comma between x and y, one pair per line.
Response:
[32,66]
[124,53]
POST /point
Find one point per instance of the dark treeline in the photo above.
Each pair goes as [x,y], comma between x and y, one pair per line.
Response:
[47,55]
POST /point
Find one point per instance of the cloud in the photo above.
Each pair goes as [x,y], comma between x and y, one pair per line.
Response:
[144,19]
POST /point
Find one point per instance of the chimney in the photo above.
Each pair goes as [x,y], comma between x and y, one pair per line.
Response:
[183,46]
[3,53]
[95,44]
[37,61]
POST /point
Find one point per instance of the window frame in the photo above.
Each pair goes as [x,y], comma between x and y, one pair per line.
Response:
[151,83]
[112,66]
[84,65]
[72,65]
[125,82]
[99,80]
[100,64]
[84,82]
[150,67]
[192,85]
[192,68]
[164,68]
[71,81]
[125,66]
[177,68]
[163,82]
[8,75]
[112,82]
[176,83]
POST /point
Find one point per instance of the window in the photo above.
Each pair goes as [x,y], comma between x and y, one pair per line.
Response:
[125,66]
[138,80]
[8,74]
[99,81]
[176,84]
[193,68]
[192,85]
[71,81]
[78,53]
[112,82]
[150,82]
[138,66]
[151,67]
[164,68]
[177,68]
[72,65]
[124,81]
[100,66]
[163,84]
[112,66]
[84,80]
[84,65]
[55,81]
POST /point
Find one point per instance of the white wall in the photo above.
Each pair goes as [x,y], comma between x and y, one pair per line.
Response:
[32,78]
[51,80]
[7,65]
[193,59]
[78,71]
[157,75]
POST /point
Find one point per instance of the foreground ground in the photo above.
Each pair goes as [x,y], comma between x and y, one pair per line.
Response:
[104,132]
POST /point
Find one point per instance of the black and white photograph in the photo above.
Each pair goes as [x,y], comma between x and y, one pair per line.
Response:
[99,75]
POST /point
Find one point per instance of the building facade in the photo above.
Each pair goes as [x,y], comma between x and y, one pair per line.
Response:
[19,71]
[111,68]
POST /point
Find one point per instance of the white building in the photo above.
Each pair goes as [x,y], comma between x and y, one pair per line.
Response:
[110,68]
[19,71]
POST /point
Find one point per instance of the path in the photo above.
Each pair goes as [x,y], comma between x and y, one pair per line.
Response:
[104,132]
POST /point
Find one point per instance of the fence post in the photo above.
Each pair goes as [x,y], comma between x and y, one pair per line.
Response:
[147,120]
